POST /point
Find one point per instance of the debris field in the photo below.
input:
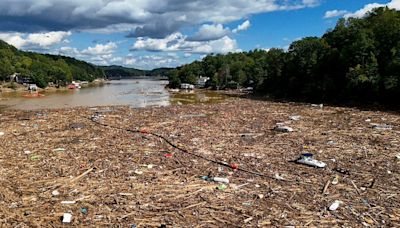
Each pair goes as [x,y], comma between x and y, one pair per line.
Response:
[202,165]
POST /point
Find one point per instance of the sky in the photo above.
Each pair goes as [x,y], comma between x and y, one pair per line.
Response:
[148,34]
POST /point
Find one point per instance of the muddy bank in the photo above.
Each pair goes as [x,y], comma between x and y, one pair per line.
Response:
[84,162]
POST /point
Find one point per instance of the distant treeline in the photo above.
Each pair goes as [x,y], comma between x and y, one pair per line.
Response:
[44,68]
[358,60]
[119,71]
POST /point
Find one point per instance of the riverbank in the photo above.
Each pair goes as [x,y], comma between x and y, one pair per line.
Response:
[6,88]
[81,161]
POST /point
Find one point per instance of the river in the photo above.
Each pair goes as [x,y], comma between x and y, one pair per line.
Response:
[135,93]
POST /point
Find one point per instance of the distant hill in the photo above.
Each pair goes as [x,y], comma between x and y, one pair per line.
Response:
[45,68]
[124,72]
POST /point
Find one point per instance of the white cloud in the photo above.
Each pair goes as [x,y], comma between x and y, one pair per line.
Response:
[34,40]
[152,18]
[242,27]
[335,13]
[179,42]
[394,4]
[100,49]
[210,32]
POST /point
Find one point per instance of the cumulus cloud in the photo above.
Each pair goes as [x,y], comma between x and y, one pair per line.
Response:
[179,42]
[34,40]
[394,4]
[152,18]
[242,27]
[100,54]
[210,32]
[335,13]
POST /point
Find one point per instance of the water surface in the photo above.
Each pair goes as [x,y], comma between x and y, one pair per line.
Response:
[135,93]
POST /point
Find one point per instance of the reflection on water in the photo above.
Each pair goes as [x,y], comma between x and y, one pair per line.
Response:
[135,93]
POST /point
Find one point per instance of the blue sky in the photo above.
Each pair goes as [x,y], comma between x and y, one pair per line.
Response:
[147,34]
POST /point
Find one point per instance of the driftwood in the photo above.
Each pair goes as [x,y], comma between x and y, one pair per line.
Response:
[108,176]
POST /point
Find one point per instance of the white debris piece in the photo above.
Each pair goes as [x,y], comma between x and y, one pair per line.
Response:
[295,118]
[281,128]
[67,217]
[335,205]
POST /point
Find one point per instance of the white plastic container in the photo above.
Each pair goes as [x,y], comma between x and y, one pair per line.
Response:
[221,180]
[67,218]
[307,159]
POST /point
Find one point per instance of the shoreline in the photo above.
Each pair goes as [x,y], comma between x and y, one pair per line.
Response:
[23,89]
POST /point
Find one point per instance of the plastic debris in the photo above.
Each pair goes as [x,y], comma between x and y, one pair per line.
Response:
[220,180]
[1,133]
[307,159]
[335,180]
[84,210]
[55,193]
[295,118]
[68,202]
[27,152]
[398,156]
[281,128]
[59,150]
[382,127]
[335,205]
[234,166]
[221,187]
[35,157]
[67,218]
[169,155]
[317,105]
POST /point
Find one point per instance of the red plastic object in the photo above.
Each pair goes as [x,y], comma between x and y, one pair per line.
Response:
[234,166]
[144,131]
[168,155]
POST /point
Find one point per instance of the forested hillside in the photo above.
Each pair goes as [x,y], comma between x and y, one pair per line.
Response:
[358,60]
[119,71]
[44,68]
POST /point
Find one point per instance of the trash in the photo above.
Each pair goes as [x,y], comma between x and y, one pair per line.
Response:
[368,120]
[398,156]
[248,220]
[220,180]
[381,127]
[342,171]
[84,210]
[260,196]
[27,152]
[234,166]
[335,180]
[279,177]
[138,172]
[281,128]
[221,187]
[59,150]
[1,133]
[317,105]
[55,193]
[68,202]
[335,205]
[169,155]
[150,166]
[67,217]
[35,157]
[307,159]
[295,118]
[77,126]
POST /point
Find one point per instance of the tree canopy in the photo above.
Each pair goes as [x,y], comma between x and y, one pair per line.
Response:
[357,60]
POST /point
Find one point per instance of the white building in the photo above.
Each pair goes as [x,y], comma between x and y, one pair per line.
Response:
[201,82]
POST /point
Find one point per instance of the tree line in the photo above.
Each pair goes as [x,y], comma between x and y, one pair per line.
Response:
[358,60]
[44,68]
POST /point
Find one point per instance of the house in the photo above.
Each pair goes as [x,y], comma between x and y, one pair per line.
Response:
[187,86]
[201,82]
[14,77]
[32,87]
